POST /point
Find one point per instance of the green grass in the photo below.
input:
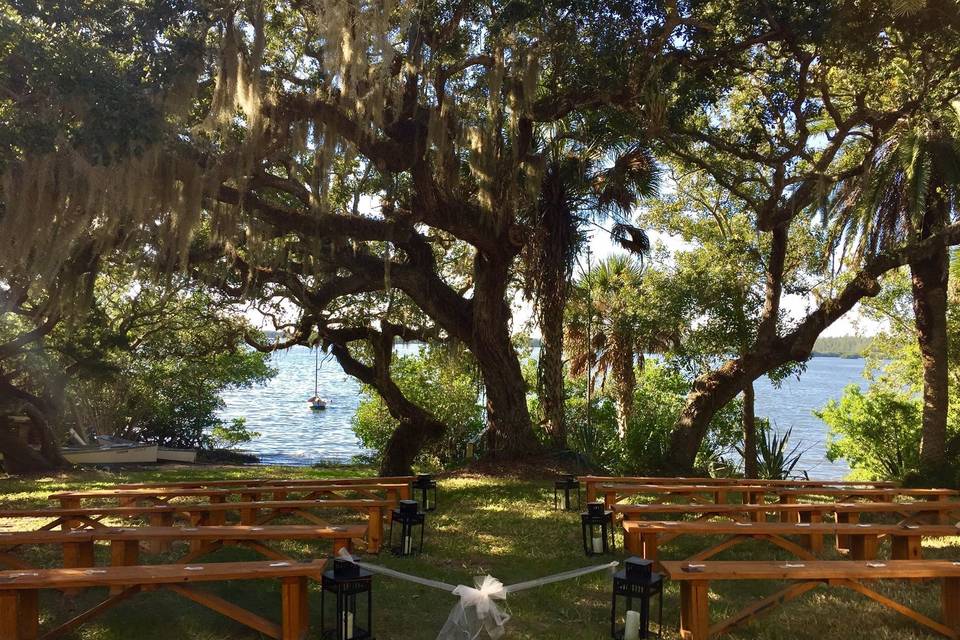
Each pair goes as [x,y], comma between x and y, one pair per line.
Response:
[504,527]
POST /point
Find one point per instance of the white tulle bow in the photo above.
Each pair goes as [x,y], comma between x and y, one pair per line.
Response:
[477,612]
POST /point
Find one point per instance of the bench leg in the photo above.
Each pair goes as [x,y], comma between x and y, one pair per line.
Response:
[251,515]
[950,602]
[609,499]
[164,519]
[633,541]
[123,553]
[77,554]
[70,503]
[756,497]
[19,615]
[296,612]
[789,516]
[906,547]
[943,517]
[812,541]
[374,529]
[340,543]
[694,611]
[843,539]
[217,518]
[863,546]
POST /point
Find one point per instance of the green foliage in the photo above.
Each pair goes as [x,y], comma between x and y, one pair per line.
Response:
[149,361]
[233,434]
[658,399]
[440,380]
[776,459]
[877,431]
[842,346]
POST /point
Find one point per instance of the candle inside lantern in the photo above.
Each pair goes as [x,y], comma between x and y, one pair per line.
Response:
[597,544]
[347,625]
[632,630]
[407,544]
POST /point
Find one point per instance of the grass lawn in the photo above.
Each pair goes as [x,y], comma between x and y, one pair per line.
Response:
[504,527]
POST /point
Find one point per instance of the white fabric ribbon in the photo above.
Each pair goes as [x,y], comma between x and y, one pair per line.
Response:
[476,612]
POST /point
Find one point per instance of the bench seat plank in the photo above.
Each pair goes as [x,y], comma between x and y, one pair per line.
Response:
[805,576]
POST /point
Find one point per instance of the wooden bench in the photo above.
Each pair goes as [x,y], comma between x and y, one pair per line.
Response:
[78,544]
[254,482]
[126,497]
[19,606]
[756,493]
[592,483]
[643,537]
[943,512]
[249,513]
[805,576]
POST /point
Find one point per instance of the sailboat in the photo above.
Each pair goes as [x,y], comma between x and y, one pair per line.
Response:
[316,402]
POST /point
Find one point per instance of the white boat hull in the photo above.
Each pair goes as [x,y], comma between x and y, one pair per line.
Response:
[112,455]
[177,455]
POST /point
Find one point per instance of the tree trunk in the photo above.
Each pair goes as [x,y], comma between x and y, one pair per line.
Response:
[507,414]
[19,458]
[749,432]
[929,281]
[550,366]
[625,380]
[418,427]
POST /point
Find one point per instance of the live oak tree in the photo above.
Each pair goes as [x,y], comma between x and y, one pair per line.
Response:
[343,149]
[800,120]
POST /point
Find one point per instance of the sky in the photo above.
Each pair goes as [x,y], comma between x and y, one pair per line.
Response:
[853,323]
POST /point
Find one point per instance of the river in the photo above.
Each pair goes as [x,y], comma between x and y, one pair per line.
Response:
[291,433]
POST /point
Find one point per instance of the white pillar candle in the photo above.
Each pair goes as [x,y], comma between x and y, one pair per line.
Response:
[407,544]
[632,630]
[597,544]
[347,625]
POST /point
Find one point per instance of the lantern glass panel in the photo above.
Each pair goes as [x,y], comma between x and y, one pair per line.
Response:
[349,613]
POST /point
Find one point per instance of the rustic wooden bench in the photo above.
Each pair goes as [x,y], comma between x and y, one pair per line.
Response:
[805,576]
[215,514]
[756,493]
[126,497]
[254,482]
[19,606]
[592,483]
[844,512]
[643,537]
[78,544]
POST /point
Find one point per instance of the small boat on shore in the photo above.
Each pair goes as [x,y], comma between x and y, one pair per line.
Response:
[176,455]
[112,454]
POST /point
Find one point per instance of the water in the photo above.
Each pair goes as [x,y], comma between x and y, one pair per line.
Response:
[291,433]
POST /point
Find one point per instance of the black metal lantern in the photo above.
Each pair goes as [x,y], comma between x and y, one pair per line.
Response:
[566,484]
[348,583]
[597,525]
[409,516]
[427,487]
[637,581]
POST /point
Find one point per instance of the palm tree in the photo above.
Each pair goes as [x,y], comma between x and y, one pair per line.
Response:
[578,185]
[608,297]
[911,189]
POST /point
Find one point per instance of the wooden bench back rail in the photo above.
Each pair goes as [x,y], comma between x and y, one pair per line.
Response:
[78,545]
[719,494]
[250,513]
[19,610]
[635,510]
[806,576]
[253,482]
[73,498]
[879,484]
[644,537]
[592,483]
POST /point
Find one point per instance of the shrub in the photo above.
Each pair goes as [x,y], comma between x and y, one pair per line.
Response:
[876,432]
[437,379]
